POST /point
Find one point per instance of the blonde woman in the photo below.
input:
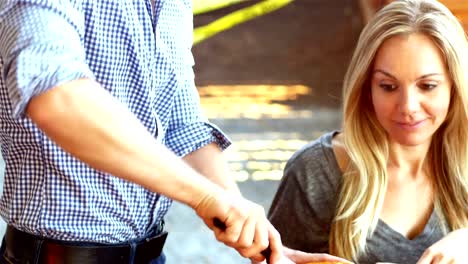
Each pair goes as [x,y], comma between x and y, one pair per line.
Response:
[392,186]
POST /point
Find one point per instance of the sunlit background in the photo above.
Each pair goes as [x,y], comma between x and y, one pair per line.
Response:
[261,125]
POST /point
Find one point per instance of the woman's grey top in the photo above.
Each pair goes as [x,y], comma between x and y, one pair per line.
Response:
[305,202]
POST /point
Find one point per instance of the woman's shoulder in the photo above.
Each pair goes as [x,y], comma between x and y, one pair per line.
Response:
[303,207]
[339,150]
[316,164]
[319,152]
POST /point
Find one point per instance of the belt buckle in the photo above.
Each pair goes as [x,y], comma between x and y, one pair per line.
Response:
[150,248]
[161,226]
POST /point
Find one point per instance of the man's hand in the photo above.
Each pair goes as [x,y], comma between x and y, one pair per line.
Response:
[247,229]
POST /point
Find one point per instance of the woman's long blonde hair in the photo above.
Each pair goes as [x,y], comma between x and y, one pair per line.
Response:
[365,179]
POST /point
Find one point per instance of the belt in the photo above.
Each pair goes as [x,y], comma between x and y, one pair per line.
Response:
[22,247]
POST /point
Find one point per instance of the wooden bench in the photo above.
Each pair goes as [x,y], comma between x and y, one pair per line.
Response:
[458,7]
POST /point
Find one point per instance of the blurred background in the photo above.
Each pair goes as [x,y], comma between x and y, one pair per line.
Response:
[269,73]
[273,83]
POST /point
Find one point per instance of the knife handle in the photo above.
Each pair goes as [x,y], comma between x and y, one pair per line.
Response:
[221,225]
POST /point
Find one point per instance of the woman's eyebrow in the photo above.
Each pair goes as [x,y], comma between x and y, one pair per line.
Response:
[393,77]
[384,73]
[429,75]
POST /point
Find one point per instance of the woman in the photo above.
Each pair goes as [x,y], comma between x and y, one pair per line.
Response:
[393,185]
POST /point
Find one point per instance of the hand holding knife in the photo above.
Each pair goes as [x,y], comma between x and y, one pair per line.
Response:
[266,253]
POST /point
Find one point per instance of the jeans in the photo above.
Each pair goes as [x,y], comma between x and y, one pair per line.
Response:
[160,260]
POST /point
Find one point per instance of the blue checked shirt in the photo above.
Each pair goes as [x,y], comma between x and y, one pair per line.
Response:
[141,53]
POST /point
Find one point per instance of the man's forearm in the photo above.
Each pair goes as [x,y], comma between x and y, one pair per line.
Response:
[86,121]
[209,161]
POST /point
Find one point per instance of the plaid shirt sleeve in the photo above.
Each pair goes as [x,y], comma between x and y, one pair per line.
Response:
[189,129]
[41,49]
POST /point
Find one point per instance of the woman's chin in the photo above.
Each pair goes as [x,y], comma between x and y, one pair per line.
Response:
[411,141]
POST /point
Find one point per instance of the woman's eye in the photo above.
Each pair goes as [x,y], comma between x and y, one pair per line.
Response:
[388,87]
[428,86]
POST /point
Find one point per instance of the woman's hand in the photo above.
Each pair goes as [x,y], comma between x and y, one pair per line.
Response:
[292,256]
[449,250]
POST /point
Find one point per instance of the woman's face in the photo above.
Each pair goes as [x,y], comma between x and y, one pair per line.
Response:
[410,89]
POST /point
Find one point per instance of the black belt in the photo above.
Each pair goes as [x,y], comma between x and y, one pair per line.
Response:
[23,247]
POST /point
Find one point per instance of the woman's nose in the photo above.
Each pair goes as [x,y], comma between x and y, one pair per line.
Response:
[409,101]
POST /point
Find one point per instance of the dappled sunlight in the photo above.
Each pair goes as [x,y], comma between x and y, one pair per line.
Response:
[265,124]
[261,159]
[252,101]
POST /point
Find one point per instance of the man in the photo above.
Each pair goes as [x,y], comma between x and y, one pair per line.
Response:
[98,103]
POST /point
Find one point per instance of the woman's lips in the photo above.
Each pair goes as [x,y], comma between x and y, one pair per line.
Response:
[411,125]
